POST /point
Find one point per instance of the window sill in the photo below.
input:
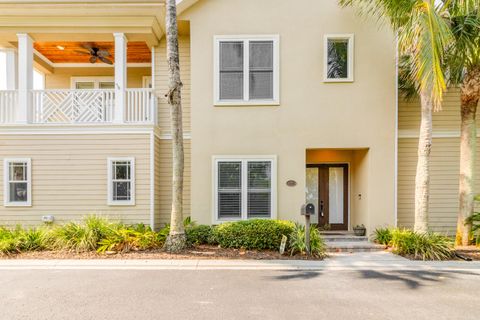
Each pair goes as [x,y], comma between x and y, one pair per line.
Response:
[346,80]
[241,103]
[121,204]
[218,221]
[17,205]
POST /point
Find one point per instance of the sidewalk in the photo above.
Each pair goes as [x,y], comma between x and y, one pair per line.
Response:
[341,262]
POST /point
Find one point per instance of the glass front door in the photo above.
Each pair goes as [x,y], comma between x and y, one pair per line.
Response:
[327,189]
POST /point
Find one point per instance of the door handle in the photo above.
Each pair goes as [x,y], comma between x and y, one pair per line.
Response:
[321,208]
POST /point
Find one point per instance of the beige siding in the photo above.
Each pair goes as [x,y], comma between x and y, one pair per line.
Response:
[163,181]
[443,180]
[161,83]
[445,120]
[69,176]
[444,163]
[61,78]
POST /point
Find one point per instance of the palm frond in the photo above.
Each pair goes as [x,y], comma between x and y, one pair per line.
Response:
[423,34]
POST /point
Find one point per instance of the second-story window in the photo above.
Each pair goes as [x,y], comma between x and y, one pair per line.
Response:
[338,58]
[246,70]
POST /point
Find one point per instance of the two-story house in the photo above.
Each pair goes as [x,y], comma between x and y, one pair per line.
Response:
[284,103]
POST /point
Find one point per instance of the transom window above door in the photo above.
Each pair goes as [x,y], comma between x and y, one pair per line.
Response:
[338,58]
[246,70]
[84,83]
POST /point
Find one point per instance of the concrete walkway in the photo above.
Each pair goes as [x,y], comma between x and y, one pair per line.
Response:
[344,261]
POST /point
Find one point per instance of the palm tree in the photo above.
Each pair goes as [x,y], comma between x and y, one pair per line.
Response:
[176,240]
[463,65]
[423,35]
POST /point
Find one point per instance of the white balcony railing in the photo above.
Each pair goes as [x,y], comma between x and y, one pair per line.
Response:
[140,106]
[73,106]
[91,106]
[8,105]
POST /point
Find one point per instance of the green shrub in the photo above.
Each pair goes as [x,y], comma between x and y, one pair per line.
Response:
[382,236]
[124,239]
[474,221]
[256,234]
[200,234]
[31,240]
[7,241]
[424,246]
[80,237]
[298,244]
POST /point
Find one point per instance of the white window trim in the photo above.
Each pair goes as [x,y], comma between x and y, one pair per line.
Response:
[276,70]
[95,79]
[6,185]
[351,56]
[110,200]
[244,159]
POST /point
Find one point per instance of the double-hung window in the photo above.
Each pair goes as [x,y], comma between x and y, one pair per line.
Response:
[245,187]
[338,58]
[121,181]
[246,70]
[18,182]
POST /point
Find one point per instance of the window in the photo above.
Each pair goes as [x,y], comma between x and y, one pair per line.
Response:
[93,83]
[245,187]
[121,181]
[246,70]
[18,187]
[338,56]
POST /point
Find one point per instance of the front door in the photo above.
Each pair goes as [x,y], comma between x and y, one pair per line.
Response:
[327,189]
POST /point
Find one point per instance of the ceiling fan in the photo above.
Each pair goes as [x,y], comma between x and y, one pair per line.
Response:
[95,53]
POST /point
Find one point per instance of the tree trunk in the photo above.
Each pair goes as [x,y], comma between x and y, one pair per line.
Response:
[470,92]
[422,178]
[176,239]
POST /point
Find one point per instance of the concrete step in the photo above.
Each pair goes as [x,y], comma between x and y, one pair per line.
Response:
[353,246]
[344,238]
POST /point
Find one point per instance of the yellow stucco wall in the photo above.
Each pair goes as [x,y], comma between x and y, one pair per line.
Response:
[311,115]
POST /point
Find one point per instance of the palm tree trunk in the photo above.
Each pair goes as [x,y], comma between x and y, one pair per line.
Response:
[176,239]
[422,178]
[470,92]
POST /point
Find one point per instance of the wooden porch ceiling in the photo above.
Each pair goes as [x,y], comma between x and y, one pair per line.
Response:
[137,52]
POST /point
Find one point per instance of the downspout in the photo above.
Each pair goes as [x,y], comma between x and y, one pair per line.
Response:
[395,188]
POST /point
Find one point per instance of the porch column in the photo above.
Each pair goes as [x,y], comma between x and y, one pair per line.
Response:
[120,76]
[12,68]
[25,78]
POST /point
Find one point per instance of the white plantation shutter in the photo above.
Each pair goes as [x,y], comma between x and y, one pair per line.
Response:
[231,70]
[259,189]
[229,189]
[261,70]
[244,189]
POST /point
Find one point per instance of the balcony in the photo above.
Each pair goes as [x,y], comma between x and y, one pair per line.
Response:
[77,106]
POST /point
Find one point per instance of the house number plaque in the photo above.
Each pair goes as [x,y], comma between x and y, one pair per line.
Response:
[291,183]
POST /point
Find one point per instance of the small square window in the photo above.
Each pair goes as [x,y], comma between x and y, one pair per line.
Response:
[121,181]
[338,58]
[17,177]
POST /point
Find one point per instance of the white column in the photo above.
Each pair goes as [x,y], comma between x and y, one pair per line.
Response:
[12,68]
[120,76]
[25,78]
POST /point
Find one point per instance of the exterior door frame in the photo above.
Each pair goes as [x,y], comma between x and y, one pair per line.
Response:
[347,189]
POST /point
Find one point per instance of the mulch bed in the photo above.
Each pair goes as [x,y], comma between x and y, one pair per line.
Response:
[471,252]
[198,252]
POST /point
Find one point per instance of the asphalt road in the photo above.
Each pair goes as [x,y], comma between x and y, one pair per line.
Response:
[238,294]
